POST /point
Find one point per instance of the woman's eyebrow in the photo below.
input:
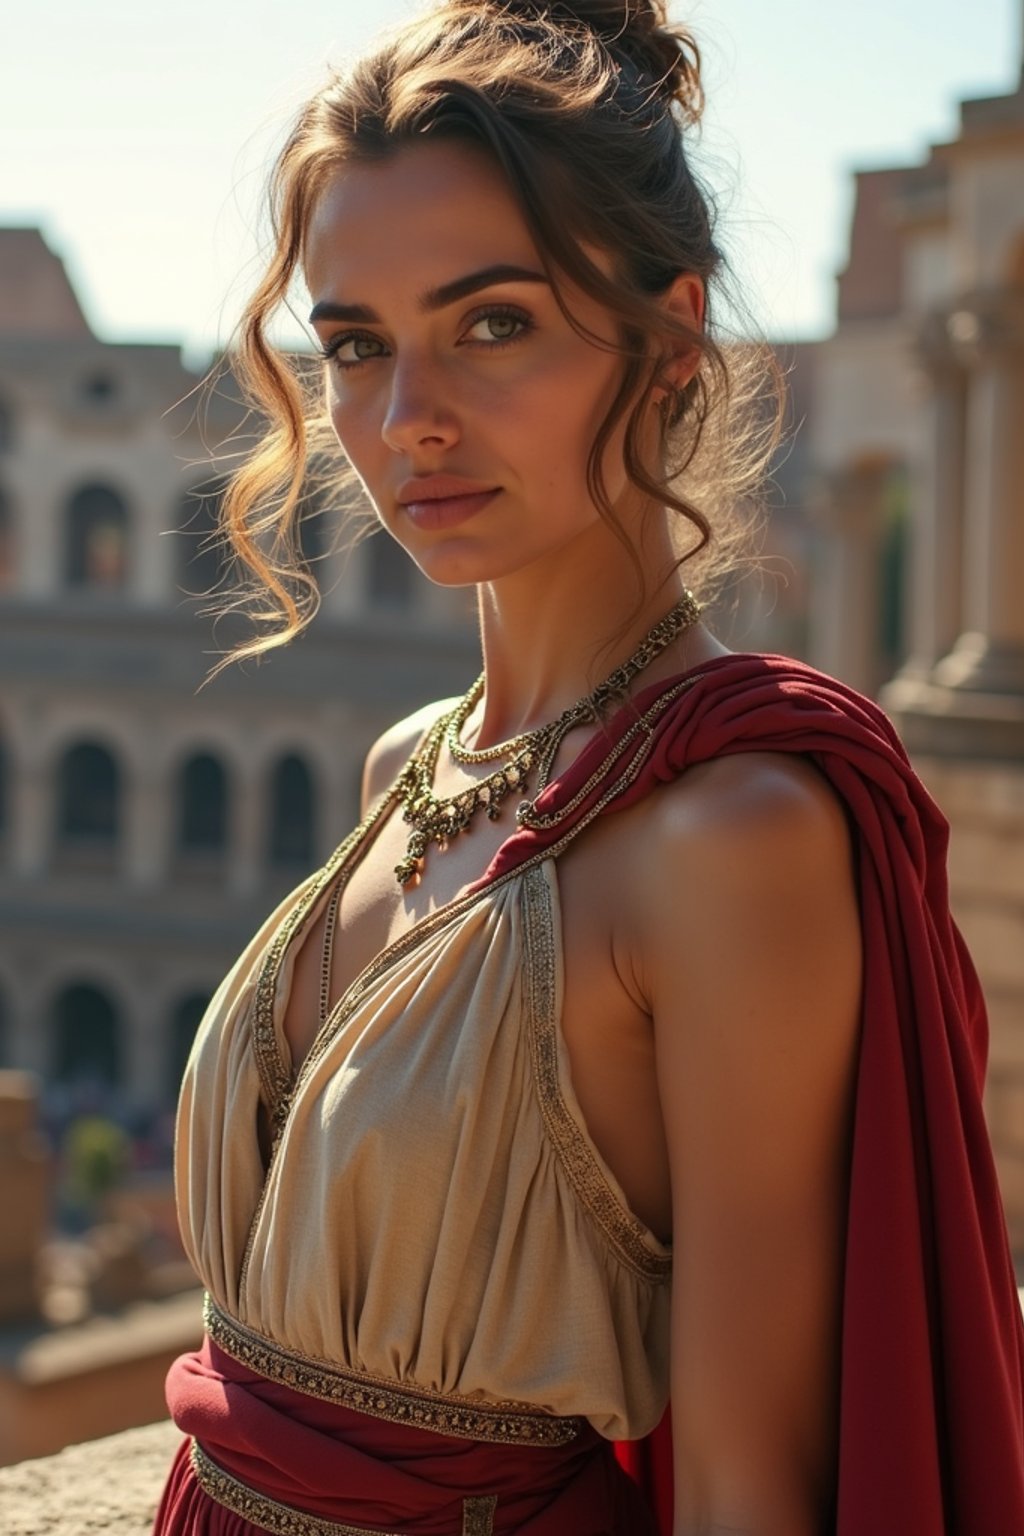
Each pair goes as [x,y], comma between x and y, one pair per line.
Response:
[434,298]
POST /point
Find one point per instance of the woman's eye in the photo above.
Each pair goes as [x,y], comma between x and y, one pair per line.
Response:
[334,351]
[503,325]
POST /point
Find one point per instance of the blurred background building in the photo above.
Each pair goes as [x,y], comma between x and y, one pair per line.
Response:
[146,827]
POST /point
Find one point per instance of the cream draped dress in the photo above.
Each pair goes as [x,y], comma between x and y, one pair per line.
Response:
[435,1216]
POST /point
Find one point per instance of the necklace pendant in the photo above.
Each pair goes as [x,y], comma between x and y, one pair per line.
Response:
[409,872]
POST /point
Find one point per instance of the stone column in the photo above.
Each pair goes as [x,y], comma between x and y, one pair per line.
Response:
[145,835]
[937,505]
[33,808]
[247,844]
[988,334]
[844,616]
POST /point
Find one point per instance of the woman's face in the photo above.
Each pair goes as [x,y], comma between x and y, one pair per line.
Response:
[449,357]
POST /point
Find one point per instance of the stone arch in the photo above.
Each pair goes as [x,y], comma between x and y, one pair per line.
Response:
[292,824]
[87,1038]
[96,539]
[88,796]
[202,805]
[186,1016]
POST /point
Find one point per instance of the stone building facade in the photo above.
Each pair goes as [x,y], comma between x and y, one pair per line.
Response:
[148,824]
[917,446]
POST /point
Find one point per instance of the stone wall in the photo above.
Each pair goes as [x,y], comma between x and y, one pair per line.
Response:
[92,1378]
[110,1485]
[985,806]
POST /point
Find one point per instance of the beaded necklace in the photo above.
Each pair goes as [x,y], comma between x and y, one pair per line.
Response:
[437,820]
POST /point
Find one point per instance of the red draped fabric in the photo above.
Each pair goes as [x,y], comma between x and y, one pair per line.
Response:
[931,1434]
[353,1469]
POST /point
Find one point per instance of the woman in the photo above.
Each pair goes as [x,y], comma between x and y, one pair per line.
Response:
[626,1048]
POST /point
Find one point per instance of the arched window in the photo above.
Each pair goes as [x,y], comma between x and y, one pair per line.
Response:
[185,1020]
[7,553]
[391,573]
[203,559]
[203,806]
[86,1038]
[96,549]
[292,833]
[88,795]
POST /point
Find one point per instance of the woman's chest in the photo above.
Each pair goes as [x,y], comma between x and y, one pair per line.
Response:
[364,913]
[605,1029]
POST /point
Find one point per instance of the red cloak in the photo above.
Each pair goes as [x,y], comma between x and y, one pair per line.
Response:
[931,1432]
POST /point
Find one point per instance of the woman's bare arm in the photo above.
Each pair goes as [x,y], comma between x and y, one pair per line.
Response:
[750,955]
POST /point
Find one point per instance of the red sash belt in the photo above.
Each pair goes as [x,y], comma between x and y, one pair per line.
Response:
[262,1456]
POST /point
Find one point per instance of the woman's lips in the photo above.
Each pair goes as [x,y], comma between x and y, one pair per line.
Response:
[448,510]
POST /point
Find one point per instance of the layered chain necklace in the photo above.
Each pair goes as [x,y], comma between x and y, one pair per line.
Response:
[437,820]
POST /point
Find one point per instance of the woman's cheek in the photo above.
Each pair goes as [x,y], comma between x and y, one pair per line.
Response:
[352,427]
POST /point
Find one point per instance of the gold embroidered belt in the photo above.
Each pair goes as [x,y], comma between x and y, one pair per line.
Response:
[284,1520]
[502,1423]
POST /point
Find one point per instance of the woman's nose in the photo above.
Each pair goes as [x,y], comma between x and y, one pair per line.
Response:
[418,409]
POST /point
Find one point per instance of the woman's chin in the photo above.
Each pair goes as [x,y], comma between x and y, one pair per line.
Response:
[449,566]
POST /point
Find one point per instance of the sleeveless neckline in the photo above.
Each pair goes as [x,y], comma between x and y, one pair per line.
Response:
[279,1081]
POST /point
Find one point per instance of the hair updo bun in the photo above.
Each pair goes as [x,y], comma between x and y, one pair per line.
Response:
[637,30]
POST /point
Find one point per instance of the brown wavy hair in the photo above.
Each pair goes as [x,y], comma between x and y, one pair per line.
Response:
[585,108]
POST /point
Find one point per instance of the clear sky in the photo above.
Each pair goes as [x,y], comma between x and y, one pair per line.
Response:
[138,136]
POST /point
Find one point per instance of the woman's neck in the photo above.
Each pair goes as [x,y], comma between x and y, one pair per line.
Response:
[545,631]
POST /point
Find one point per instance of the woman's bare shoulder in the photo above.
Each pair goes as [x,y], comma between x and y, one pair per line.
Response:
[770,797]
[392,750]
[741,834]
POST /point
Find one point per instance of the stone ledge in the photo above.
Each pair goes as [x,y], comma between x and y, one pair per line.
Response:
[171,1325]
[110,1485]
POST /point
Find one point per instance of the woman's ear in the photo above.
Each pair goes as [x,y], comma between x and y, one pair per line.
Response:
[684,301]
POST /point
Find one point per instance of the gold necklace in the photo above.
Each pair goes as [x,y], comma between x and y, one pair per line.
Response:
[437,820]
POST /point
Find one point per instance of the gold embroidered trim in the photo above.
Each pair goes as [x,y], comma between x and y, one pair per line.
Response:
[274,1078]
[266,1513]
[503,1423]
[276,1086]
[478,1516]
[620,1226]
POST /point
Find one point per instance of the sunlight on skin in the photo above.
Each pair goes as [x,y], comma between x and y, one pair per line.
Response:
[496,388]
